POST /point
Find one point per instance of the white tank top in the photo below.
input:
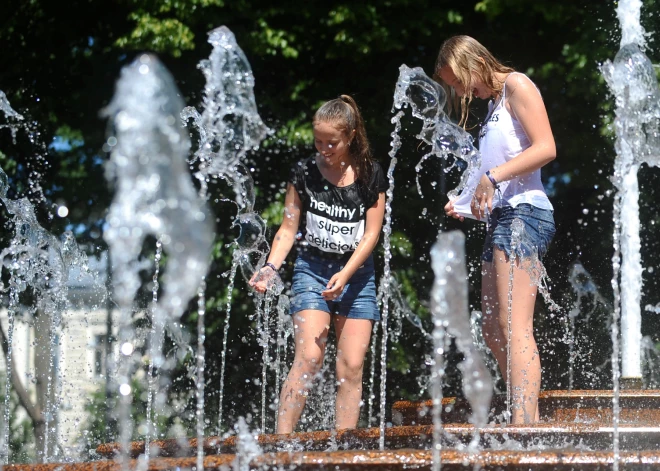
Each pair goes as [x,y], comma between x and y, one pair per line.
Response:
[501,139]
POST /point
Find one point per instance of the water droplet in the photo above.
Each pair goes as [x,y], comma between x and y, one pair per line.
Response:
[127,348]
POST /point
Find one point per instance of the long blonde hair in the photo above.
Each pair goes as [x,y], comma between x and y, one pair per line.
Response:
[344,113]
[466,56]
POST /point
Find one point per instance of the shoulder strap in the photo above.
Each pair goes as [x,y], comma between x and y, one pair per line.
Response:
[504,86]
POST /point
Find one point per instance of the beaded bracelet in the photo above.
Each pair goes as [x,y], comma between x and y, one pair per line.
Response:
[270,265]
[492,180]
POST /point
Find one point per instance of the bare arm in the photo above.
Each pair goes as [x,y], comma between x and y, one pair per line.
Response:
[372,228]
[284,238]
[525,103]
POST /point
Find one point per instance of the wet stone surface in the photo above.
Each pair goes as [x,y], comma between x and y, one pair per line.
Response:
[457,436]
[385,460]
[638,407]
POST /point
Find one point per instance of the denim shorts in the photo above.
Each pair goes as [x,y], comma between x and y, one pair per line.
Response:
[539,229]
[311,274]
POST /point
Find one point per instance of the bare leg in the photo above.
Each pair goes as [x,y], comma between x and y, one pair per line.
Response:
[490,308]
[310,335]
[525,361]
[353,337]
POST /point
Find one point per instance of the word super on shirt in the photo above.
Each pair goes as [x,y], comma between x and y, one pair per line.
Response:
[333,218]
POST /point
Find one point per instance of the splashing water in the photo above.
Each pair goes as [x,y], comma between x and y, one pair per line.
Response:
[200,365]
[426,99]
[633,83]
[38,163]
[395,144]
[400,311]
[36,259]
[150,419]
[154,196]
[246,447]
[628,12]
[520,244]
[230,123]
[10,114]
[229,127]
[517,233]
[632,80]
[284,333]
[585,290]
[319,412]
[225,333]
[651,363]
[476,322]
[449,306]
[371,419]
[154,193]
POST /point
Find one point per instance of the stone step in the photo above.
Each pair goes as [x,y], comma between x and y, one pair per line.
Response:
[639,407]
[399,460]
[456,436]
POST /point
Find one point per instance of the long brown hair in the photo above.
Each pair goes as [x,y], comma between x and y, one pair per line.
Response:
[344,113]
[466,56]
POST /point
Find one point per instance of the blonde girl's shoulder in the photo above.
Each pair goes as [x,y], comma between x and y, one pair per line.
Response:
[521,84]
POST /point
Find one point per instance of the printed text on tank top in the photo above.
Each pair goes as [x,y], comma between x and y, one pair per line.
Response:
[493,105]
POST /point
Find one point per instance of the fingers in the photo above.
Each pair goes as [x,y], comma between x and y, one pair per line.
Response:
[253,281]
[483,198]
[449,208]
[451,211]
[331,282]
[475,207]
[333,288]
[260,286]
[482,204]
[259,281]
[330,295]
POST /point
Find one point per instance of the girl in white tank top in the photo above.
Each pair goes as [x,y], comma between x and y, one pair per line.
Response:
[501,139]
[515,142]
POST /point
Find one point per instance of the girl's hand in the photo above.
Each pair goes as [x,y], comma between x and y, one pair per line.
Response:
[264,279]
[450,211]
[482,201]
[334,287]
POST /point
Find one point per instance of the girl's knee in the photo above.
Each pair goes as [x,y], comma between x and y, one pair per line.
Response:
[309,362]
[349,370]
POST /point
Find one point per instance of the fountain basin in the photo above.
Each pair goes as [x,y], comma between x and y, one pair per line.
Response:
[638,407]
[457,436]
[521,460]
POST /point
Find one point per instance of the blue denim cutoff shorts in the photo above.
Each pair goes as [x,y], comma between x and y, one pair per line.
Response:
[539,229]
[311,274]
